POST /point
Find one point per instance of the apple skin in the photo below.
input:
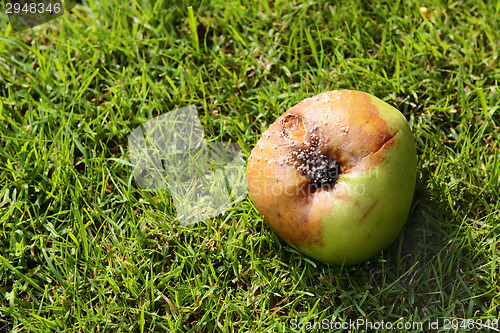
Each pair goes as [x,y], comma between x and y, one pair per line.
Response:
[364,211]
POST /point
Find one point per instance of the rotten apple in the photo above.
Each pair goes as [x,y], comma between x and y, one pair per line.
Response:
[334,176]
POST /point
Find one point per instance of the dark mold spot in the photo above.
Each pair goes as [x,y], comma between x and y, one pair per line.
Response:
[321,171]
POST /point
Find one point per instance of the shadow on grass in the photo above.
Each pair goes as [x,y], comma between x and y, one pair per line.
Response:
[422,237]
[5,324]
[427,271]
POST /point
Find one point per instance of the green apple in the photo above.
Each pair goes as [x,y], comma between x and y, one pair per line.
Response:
[334,176]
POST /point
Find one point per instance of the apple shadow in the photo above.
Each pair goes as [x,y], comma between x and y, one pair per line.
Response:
[423,236]
[426,263]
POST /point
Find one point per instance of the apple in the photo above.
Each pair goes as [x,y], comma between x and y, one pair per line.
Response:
[334,176]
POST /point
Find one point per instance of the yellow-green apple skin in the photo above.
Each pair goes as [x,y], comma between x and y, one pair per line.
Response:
[363,151]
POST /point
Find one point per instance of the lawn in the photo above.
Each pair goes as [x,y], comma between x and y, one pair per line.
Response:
[84,249]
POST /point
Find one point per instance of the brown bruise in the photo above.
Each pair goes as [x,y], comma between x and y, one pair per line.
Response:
[345,126]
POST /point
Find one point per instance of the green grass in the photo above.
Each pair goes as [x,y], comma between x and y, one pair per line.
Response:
[83,249]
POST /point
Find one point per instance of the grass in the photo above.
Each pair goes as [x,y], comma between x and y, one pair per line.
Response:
[83,249]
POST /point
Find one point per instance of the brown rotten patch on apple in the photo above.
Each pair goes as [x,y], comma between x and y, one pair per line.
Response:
[293,171]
